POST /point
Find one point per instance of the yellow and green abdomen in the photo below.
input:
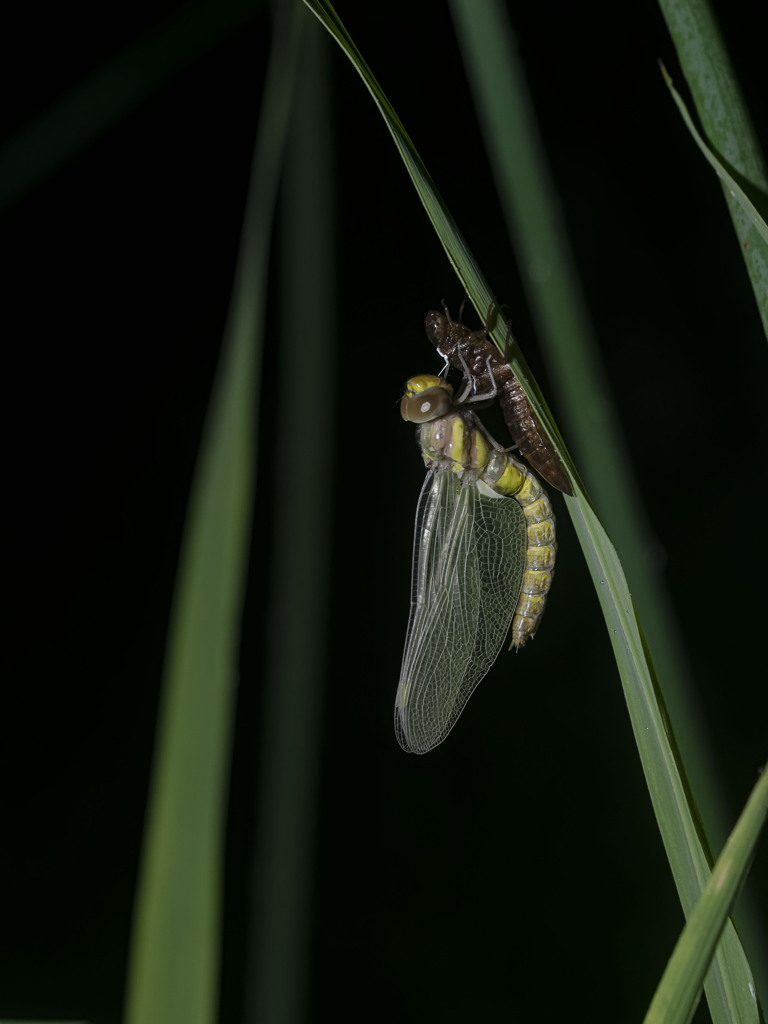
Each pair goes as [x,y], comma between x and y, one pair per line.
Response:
[455,439]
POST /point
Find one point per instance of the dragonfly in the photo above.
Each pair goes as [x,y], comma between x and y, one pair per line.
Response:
[472,353]
[483,562]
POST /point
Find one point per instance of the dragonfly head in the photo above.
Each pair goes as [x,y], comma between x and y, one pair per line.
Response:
[426,398]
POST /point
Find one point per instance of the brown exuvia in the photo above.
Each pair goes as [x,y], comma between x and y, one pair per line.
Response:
[472,353]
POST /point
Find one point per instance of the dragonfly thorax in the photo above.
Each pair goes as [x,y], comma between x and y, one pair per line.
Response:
[455,442]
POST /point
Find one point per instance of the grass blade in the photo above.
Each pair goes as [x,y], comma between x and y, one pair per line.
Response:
[463,262]
[174,969]
[730,987]
[74,120]
[730,983]
[728,180]
[726,123]
[675,999]
[302,542]
[523,178]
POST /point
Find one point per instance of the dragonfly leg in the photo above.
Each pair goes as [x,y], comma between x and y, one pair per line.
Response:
[464,396]
[471,384]
[488,318]
[448,312]
[507,346]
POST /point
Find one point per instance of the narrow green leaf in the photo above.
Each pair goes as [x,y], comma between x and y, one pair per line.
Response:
[675,999]
[463,262]
[730,987]
[301,543]
[524,182]
[727,125]
[93,106]
[175,955]
[721,170]
[676,816]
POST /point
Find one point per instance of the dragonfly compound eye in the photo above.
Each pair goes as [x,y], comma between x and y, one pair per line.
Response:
[426,398]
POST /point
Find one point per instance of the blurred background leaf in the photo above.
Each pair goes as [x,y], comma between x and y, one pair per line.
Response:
[175,965]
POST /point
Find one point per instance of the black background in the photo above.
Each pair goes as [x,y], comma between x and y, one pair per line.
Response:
[445,886]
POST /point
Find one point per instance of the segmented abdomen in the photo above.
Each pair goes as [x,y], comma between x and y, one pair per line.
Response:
[509,477]
[458,439]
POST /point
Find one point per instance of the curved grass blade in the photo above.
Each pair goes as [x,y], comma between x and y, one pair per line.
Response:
[719,167]
[726,122]
[675,999]
[528,197]
[675,811]
[175,955]
[463,262]
[74,120]
[292,721]
[730,986]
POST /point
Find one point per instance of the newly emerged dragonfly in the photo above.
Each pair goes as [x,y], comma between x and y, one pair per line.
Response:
[472,353]
[483,560]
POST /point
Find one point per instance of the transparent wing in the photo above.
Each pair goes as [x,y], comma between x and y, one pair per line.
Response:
[468,564]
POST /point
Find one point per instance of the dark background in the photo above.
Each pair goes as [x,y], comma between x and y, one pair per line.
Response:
[444,886]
